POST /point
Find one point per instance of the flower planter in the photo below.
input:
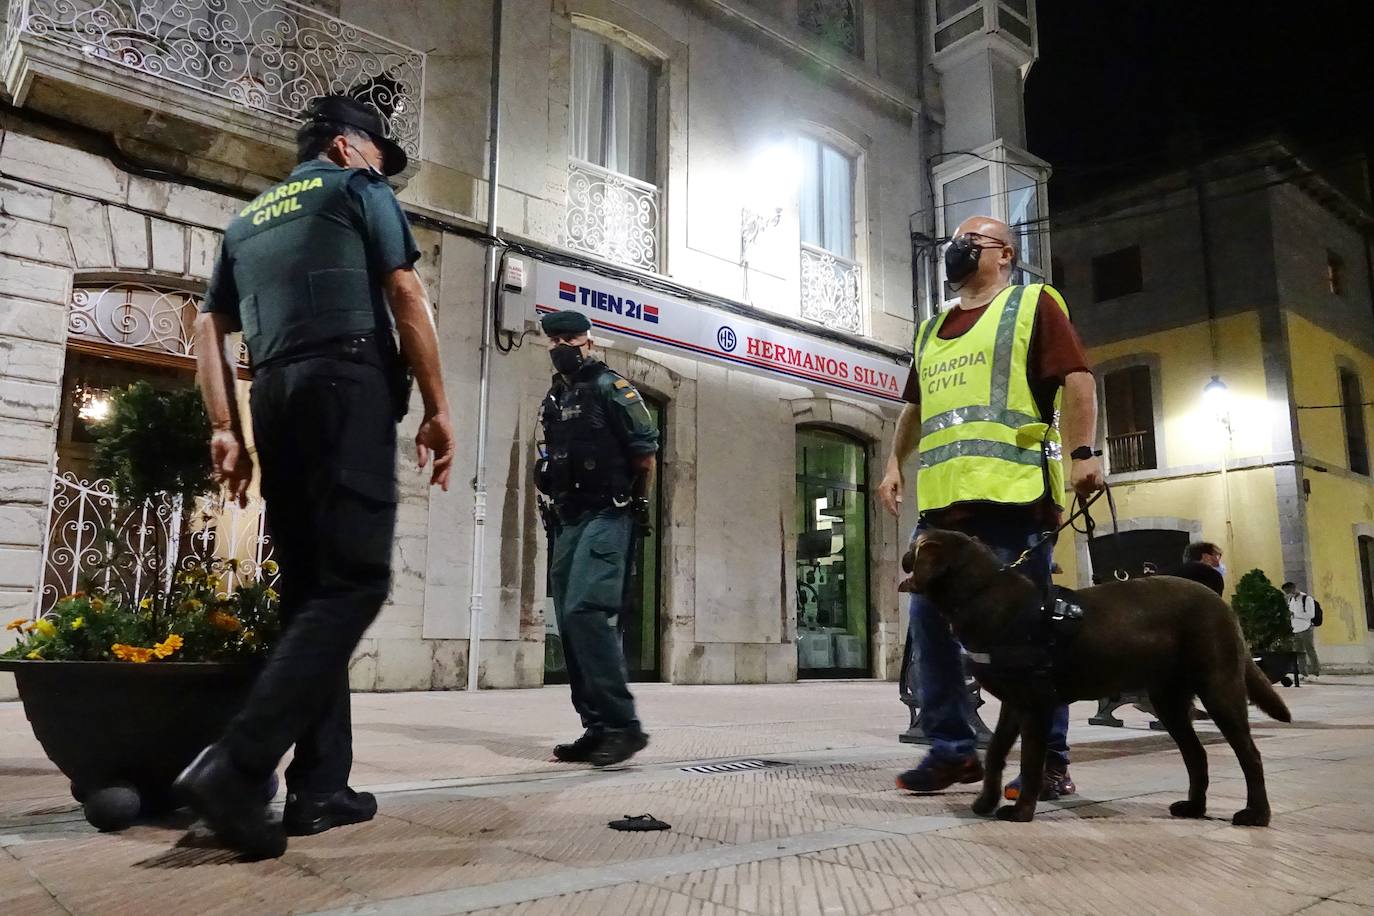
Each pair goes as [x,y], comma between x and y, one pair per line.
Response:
[121,732]
[1277,665]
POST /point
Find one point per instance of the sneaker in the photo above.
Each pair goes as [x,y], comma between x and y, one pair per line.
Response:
[936,773]
[579,751]
[1058,783]
[214,789]
[307,815]
[617,745]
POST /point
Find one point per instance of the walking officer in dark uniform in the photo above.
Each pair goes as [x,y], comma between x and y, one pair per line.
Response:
[597,468]
[318,273]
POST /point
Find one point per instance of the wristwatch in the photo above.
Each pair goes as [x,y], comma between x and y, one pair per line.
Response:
[1084,452]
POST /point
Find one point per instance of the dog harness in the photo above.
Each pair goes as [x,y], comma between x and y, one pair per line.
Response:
[1035,643]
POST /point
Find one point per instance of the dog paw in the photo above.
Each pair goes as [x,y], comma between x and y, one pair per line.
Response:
[1249,817]
[1188,809]
[985,804]
[1015,814]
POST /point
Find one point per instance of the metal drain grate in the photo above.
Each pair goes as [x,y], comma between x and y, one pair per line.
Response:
[733,766]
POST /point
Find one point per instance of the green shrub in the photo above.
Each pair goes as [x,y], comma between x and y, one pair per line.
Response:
[1263,613]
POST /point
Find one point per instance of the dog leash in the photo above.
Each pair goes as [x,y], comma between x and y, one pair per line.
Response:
[1089,526]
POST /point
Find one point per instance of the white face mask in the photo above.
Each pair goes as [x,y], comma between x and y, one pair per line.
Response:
[370,167]
[1221,568]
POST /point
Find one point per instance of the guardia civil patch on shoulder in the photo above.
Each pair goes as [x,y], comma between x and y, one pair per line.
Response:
[621,383]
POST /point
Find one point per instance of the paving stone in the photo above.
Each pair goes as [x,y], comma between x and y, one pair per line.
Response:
[621,898]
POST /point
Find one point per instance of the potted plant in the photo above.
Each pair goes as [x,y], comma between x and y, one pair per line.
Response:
[1265,622]
[123,688]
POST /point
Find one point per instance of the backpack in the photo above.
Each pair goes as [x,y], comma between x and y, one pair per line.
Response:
[1317,613]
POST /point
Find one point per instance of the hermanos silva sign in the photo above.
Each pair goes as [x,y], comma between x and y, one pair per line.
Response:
[623,310]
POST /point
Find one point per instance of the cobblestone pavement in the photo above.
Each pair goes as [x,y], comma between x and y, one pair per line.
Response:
[475,818]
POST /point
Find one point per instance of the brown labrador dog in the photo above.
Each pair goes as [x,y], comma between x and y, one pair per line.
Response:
[1174,638]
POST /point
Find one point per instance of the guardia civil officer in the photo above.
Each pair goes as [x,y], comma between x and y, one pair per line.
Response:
[318,273]
[597,466]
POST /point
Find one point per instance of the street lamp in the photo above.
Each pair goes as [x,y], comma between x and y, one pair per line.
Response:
[1217,397]
[772,180]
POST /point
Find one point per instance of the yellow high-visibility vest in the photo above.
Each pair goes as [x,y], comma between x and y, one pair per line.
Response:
[982,437]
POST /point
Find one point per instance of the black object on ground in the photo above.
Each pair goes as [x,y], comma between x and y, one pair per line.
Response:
[639,822]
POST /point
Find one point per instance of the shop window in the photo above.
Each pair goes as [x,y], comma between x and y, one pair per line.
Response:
[1117,274]
[831,278]
[1366,548]
[613,194]
[832,555]
[1352,412]
[1130,419]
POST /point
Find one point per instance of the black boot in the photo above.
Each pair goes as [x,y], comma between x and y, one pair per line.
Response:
[306,815]
[579,751]
[618,745]
[231,804]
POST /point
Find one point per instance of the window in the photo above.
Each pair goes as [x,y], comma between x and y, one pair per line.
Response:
[1366,548]
[1003,183]
[1335,273]
[1117,274]
[613,198]
[1130,419]
[1352,412]
[832,555]
[830,276]
[836,22]
[956,19]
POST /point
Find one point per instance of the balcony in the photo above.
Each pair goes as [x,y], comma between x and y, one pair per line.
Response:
[831,290]
[215,81]
[1131,452]
[611,215]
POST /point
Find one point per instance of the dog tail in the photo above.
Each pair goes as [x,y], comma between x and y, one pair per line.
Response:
[1263,694]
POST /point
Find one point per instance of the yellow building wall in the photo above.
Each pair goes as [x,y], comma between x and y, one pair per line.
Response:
[1191,435]
[1338,500]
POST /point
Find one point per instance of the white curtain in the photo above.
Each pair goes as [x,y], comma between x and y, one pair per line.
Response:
[588,93]
[837,202]
[618,137]
[827,199]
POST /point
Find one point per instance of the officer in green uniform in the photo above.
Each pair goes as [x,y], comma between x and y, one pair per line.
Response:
[597,467]
[318,274]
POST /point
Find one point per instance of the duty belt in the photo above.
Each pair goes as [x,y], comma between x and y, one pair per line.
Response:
[359,348]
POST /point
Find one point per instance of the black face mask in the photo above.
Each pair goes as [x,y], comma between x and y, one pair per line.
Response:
[567,359]
[961,260]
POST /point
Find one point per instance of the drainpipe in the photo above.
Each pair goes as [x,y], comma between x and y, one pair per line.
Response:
[479,481]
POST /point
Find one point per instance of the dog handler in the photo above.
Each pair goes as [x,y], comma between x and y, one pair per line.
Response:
[987,386]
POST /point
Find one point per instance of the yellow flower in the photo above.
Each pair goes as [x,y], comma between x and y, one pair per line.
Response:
[270,567]
[270,594]
[17,624]
[225,621]
[146,604]
[78,623]
[136,654]
[192,604]
[36,655]
[215,583]
[249,637]
[45,628]
[167,646]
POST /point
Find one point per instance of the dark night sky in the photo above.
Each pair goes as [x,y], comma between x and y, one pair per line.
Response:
[1126,88]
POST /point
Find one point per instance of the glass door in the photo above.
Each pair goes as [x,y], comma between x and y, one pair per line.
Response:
[832,555]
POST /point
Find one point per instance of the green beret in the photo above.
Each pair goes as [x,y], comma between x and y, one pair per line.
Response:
[565,322]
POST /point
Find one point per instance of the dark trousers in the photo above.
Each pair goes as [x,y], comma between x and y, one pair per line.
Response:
[326,447]
[945,703]
[587,575]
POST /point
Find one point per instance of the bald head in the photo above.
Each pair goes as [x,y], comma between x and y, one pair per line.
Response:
[994,256]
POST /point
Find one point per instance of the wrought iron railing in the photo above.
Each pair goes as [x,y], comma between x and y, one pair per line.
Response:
[611,215]
[88,531]
[270,55]
[138,316]
[831,290]
[1131,451]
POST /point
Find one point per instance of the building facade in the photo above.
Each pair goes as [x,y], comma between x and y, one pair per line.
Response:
[744,194]
[1230,317]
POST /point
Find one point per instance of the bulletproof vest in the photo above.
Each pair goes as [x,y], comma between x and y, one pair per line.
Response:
[586,463]
[301,266]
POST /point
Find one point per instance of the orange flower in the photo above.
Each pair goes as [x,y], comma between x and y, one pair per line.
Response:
[18,624]
[227,622]
[136,654]
[167,646]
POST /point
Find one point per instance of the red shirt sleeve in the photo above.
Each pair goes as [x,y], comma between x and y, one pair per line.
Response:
[1057,349]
